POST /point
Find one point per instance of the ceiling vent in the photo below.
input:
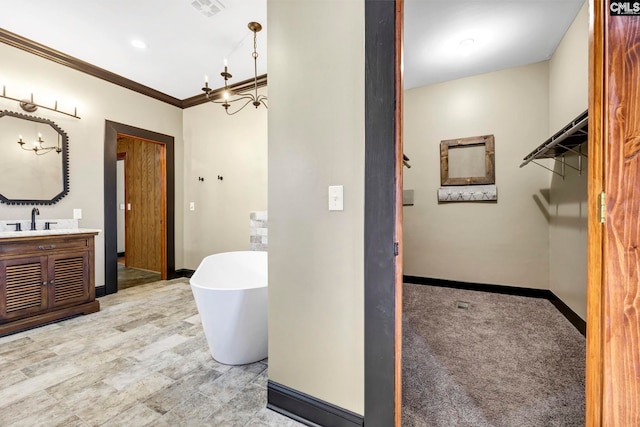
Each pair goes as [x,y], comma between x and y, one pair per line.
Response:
[208,7]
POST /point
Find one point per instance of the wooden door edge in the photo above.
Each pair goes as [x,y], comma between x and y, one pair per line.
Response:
[124,157]
[597,137]
[399,88]
[163,228]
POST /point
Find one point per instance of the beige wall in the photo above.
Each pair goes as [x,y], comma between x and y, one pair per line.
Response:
[504,243]
[568,97]
[538,214]
[316,139]
[234,147]
[97,100]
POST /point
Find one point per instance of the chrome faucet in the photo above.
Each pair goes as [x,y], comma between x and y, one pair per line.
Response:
[34,212]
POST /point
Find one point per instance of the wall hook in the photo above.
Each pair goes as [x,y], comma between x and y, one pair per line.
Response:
[220,177]
[200,178]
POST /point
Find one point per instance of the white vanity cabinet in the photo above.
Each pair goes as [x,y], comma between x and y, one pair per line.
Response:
[46,278]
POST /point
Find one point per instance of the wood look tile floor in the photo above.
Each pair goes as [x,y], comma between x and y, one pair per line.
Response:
[129,277]
[141,361]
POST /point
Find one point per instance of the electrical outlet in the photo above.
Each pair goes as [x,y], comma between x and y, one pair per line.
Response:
[77,214]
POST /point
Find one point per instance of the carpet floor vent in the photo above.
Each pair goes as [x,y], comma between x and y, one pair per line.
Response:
[463,305]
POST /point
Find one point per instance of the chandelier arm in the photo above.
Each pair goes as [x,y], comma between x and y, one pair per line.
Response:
[248,97]
[42,151]
[39,149]
[238,110]
[223,101]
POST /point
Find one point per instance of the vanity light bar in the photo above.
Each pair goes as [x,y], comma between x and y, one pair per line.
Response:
[29,106]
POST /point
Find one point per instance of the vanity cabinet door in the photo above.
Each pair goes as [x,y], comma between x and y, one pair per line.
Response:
[23,286]
[68,278]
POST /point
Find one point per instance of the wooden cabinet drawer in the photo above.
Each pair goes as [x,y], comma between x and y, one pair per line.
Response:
[42,245]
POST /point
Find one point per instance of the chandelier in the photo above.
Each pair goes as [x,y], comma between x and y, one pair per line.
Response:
[38,148]
[245,96]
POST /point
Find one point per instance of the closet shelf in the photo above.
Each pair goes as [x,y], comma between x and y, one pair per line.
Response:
[566,139]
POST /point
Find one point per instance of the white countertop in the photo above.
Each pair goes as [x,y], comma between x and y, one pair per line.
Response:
[34,233]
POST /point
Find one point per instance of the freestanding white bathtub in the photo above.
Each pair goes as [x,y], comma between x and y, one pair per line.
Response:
[230,290]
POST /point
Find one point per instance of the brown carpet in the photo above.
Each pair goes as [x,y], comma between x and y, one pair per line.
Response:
[506,361]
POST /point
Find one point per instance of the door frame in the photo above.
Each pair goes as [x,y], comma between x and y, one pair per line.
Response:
[112,129]
[383,214]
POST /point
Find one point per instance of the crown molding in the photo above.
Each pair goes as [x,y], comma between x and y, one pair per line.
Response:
[56,56]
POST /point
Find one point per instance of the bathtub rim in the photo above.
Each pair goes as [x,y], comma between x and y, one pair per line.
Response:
[263,254]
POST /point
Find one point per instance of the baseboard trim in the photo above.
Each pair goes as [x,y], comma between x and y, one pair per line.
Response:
[563,308]
[498,289]
[120,254]
[182,272]
[307,409]
[101,291]
[571,315]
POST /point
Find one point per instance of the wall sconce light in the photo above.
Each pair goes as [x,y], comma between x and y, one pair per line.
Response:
[38,148]
[227,96]
[30,106]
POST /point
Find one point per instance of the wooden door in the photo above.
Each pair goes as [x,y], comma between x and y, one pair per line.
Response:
[145,171]
[613,314]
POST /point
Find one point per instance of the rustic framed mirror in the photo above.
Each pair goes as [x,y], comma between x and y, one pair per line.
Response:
[468,161]
[34,160]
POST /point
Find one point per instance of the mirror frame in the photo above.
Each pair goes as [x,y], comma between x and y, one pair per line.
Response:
[64,159]
[486,141]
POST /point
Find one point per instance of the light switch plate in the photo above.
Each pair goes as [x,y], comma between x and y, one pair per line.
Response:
[192,206]
[336,199]
[77,214]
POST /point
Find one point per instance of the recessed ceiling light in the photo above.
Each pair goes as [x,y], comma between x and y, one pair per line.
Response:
[466,46]
[138,44]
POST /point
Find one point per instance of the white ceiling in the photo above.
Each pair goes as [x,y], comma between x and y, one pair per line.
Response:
[507,33]
[184,44]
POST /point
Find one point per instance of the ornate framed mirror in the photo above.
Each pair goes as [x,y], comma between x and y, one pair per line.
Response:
[34,160]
